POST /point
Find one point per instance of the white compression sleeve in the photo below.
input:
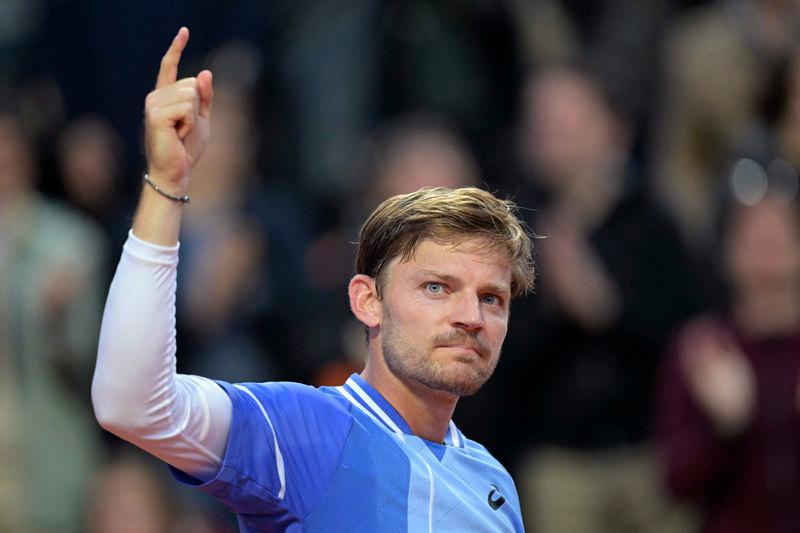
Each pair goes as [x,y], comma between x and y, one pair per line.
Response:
[136,392]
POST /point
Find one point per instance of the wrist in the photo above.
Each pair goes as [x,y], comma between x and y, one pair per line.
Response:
[176,184]
[157,219]
[154,185]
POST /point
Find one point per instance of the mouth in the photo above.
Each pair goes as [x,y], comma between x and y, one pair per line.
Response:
[466,350]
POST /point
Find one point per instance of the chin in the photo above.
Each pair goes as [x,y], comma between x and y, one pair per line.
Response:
[468,389]
[460,382]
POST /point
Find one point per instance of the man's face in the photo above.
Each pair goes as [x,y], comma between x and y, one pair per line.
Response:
[445,314]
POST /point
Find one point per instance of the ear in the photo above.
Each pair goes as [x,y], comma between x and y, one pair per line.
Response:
[364,301]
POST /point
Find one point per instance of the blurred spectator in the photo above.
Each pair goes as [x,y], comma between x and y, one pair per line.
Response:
[413,151]
[618,39]
[582,354]
[729,417]
[89,156]
[50,288]
[89,152]
[130,495]
[234,327]
[717,59]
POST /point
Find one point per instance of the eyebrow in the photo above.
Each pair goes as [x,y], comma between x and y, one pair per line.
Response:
[501,289]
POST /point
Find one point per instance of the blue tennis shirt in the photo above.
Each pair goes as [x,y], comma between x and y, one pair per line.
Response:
[342,459]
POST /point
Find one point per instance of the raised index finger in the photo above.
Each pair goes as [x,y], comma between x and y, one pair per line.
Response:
[168,73]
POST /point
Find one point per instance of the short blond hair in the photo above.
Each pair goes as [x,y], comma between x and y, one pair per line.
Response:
[399,224]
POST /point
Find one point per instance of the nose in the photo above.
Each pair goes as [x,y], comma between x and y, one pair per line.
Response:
[467,313]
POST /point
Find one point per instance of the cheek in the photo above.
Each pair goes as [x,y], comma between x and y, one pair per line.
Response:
[412,317]
[421,312]
[496,330]
[412,314]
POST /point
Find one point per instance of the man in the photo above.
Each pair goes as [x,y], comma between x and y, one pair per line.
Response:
[587,348]
[436,272]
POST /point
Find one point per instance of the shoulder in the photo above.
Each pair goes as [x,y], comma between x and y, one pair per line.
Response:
[287,438]
[285,396]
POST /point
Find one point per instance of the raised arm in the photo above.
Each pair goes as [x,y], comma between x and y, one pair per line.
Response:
[184,420]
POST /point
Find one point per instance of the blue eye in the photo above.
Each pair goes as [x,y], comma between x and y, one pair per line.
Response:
[433,287]
[491,299]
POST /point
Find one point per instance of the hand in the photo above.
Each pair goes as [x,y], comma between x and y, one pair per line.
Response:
[576,277]
[228,276]
[177,120]
[719,377]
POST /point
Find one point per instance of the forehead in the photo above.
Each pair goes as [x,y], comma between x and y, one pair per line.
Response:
[473,259]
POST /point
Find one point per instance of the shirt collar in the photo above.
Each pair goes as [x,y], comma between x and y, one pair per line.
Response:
[358,391]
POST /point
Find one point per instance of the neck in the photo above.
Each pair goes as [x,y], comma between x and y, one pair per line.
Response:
[427,411]
[771,313]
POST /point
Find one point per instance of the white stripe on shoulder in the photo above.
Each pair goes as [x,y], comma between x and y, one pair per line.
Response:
[355,402]
[454,435]
[374,406]
[278,455]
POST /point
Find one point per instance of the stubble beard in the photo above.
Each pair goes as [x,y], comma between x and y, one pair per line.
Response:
[410,361]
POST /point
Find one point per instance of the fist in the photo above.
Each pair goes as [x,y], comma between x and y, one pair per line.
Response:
[177,120]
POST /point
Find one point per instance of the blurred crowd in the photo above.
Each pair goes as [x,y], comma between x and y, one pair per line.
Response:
[652,382]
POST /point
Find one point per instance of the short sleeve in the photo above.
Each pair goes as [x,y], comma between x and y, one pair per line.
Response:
[284,446]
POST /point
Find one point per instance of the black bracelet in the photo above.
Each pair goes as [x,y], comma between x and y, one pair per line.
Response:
[182,199]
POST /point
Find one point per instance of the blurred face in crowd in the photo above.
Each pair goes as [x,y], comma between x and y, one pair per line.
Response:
[445,314]
[15,164]
[763,248]
[90,164]
[126,498]
[567,126]
[426,160]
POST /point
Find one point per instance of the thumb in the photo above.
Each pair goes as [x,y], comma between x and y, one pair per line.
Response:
[205,85]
